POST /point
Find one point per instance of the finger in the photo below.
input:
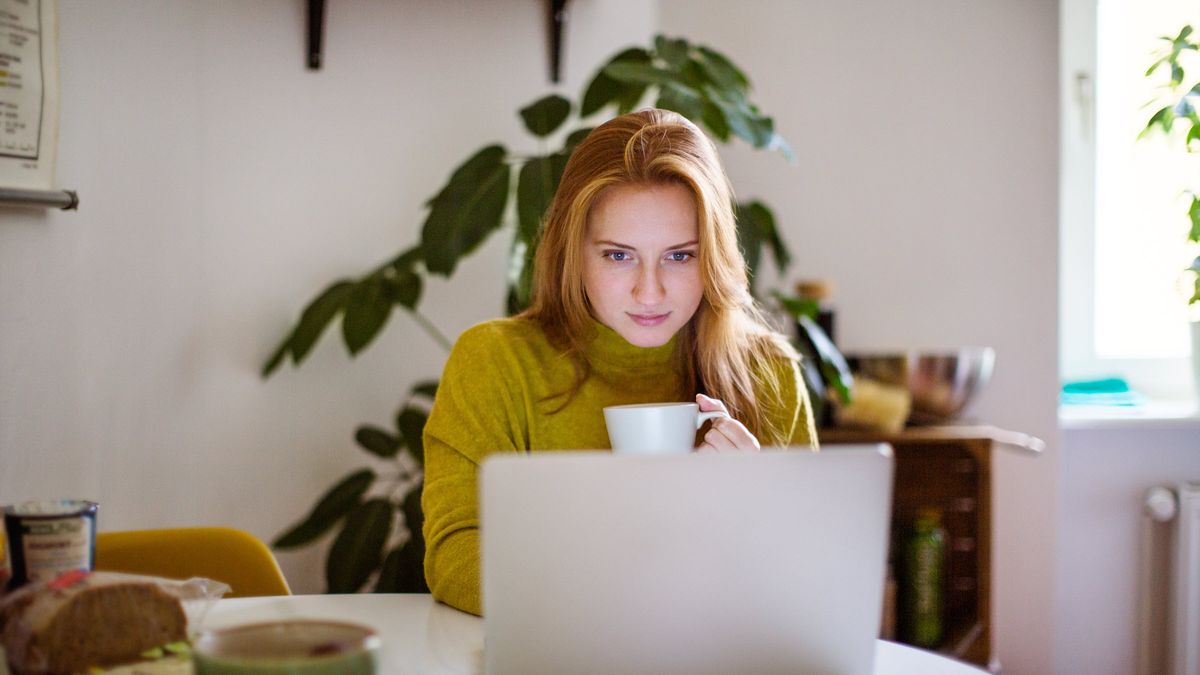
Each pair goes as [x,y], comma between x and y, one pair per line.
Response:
[736,433]
[719,441]
[710,404]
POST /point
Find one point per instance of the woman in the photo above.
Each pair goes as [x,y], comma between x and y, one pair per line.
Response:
[640,295]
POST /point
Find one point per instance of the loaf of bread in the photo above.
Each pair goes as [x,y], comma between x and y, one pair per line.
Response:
[84,620]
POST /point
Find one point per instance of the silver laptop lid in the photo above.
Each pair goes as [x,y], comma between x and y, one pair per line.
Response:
[718,563]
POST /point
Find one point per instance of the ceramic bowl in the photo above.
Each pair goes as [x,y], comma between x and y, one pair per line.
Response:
[294,647]
[942,383]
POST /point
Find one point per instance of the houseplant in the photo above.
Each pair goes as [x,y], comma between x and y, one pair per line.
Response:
[1177,118]
[694,80]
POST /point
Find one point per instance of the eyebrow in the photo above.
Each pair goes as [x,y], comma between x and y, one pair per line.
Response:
[617,244]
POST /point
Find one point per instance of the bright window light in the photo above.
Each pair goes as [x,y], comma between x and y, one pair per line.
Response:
[1141,290]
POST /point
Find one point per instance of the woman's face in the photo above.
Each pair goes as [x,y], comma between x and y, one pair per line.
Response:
[640,268]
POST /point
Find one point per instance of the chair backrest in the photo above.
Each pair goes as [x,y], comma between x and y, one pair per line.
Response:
[227,555]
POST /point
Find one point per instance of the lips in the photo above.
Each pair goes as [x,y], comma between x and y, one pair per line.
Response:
[648,320]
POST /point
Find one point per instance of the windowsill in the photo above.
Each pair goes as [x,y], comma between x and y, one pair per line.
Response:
[1152,415]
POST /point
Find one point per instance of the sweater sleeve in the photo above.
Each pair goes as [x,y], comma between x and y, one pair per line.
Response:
[476,412]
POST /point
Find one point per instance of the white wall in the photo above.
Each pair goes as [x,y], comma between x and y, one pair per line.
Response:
[1105,473]
[222,186]
[926,190]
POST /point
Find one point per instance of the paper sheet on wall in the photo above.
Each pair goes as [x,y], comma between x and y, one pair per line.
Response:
[28,93]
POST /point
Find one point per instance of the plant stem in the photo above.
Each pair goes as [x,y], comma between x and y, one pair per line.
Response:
[433,331]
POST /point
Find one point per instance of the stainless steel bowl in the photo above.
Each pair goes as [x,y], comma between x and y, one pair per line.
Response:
[941,383]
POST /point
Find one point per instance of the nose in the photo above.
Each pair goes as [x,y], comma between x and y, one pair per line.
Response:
[649,290]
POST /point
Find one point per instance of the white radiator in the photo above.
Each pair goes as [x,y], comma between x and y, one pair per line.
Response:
[1169,620]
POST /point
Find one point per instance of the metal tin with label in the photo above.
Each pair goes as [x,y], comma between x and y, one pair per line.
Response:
[48,537]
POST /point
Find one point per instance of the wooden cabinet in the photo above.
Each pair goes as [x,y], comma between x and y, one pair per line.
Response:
[949,468]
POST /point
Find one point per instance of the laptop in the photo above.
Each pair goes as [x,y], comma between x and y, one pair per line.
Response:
[712,563]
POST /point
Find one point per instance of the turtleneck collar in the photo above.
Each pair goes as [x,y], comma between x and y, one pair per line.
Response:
[609,349]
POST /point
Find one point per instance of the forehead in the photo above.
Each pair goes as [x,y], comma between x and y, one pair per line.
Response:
[644,213]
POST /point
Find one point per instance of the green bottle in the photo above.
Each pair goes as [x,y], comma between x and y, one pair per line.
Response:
[923,555]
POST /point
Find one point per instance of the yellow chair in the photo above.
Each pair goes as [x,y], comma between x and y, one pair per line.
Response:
[231,556]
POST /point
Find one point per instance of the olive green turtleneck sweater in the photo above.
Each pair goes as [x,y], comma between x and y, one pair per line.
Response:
[492,399]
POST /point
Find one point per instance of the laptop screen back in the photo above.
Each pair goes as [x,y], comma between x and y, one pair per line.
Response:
[720,563]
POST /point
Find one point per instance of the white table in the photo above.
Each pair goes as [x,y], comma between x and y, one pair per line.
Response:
[422,636]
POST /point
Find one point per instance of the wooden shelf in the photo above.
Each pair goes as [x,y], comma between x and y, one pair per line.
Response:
[949,467]
[1012,439]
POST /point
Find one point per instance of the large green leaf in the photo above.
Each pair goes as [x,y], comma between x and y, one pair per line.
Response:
[810,370]
[746,122]
[693,76]
[536,184]
[1195,269]
[797,307]
[764,130]
[545,115]
[403,287]
[740,121]
[520,276]
[367,310]
[410,422]
[682,100]
[467,210]
[358,549]
[576,137]
[377,441]
[756,229]
[722,69]
[427,389]
[603,90]
[750,237]
[834,369]
[1163,118]
[414,517]
[631,98]
[317,315]
[336,503]
[313,320]
[389,572]
[714,118]
[639,73]
[1194,217]
[276,357]
[674,52]
[770,233]
[403,570]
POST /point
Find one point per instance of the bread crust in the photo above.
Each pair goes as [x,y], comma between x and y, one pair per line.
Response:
[99,620]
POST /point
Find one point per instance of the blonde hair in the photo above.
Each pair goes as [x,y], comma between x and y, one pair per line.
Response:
[727,350]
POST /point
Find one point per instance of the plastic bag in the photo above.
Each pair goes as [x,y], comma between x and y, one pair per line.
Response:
[81,620]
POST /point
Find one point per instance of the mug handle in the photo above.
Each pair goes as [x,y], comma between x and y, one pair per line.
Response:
[706,416]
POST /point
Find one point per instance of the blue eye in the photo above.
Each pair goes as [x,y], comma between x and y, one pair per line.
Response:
[617,256]
[680,256]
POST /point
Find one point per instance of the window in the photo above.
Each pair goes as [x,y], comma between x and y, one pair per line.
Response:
[1124,292]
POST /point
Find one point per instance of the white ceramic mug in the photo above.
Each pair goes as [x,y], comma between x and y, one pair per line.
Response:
[655,428]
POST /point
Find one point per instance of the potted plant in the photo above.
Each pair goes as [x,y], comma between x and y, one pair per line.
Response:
[696,81]
[1178,119]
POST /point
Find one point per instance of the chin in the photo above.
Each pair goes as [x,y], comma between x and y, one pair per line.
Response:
[647,338]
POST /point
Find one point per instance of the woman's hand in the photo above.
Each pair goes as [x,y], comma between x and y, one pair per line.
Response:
[726,433]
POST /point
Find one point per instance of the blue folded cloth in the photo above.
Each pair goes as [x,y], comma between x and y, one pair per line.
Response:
[1109,391]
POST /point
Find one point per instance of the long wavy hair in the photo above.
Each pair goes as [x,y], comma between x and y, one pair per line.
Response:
[727,350]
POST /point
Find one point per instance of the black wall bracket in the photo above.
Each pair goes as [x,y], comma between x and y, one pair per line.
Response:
[316,30]
[556,11]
